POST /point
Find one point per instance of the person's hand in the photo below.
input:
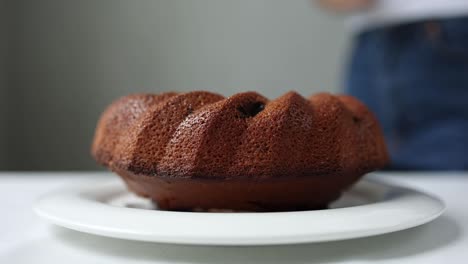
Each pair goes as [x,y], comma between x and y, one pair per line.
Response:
[345,5]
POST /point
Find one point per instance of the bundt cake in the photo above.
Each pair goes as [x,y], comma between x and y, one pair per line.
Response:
[201,151]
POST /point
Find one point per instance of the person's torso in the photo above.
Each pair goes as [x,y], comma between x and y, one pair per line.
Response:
[391,12]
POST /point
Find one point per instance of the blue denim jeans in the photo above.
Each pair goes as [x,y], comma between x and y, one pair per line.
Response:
[414,77]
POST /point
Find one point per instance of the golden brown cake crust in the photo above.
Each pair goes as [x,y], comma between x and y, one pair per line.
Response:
[176,147]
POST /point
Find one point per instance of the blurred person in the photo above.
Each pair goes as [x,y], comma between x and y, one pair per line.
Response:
[409,64]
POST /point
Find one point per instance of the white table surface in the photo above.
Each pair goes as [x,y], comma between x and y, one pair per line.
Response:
[25,238]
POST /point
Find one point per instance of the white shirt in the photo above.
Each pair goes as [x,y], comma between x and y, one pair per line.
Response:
[388,12]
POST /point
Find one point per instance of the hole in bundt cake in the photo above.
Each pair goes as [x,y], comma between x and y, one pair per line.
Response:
[356,119]
[251,109]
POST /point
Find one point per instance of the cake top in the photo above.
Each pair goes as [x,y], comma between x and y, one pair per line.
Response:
[205,135]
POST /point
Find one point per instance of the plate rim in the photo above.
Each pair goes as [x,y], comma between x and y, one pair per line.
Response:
[46,207]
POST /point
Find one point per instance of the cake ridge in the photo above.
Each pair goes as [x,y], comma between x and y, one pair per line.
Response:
[121,114]
[158,125]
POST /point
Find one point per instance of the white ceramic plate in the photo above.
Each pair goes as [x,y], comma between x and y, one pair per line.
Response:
[106,208]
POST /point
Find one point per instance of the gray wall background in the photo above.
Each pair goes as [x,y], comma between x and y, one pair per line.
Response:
[3,83]
[68,59]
